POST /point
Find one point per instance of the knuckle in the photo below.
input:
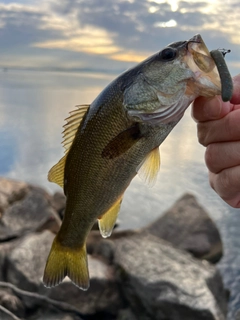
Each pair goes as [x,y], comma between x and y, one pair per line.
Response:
[211,178]
[225,183]
[211,157]
[201,134]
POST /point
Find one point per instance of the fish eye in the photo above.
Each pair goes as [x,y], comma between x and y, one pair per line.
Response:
[167,54]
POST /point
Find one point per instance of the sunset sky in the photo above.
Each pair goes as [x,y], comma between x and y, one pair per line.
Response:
[111,35]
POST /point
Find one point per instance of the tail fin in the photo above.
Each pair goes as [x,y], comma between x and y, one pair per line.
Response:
[66,261]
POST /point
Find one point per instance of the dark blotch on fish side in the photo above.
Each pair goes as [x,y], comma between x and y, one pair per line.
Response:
[226,79]
[122,142]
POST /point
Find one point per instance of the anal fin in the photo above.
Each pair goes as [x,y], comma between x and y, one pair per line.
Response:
[107,221]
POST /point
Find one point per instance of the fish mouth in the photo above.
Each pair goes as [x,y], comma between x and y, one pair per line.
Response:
[198,58]
[202,80]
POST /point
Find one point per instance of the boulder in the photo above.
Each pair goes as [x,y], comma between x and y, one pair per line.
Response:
[126,314]
[12,303]
[188,226]
[32,213]
[5,249]
[102,297]
[161,282]
[59,203]
[237,315]
[25,266]
[11,191]
[43,315]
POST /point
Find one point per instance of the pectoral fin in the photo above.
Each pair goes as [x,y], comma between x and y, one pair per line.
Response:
[107,222]
[122,142]
[149,167]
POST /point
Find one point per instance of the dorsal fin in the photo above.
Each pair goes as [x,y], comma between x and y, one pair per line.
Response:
[149,167]
[71,127]
[56,173]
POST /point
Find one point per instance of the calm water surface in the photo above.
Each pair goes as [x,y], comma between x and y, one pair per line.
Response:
[33,106]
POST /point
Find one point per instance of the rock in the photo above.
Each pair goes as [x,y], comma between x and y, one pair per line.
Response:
[12,303]
[25,266]
[104,248]
[57,315]
[5,314]
[102,297]
[32,213]
[161,282]
[59,203]
[11,191]
[60,316]
[126,314]
[187,226]
[237,316]
[5,249]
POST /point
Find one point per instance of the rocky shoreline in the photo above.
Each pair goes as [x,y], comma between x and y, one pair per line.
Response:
[165,271]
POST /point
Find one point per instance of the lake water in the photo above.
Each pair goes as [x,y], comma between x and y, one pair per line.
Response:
[33,106]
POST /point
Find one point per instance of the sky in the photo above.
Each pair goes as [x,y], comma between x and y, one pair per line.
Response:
[110,34]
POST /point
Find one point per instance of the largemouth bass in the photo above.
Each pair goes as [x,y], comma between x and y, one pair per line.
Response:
[115,138]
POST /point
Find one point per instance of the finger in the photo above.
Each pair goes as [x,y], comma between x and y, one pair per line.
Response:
[227,185]
[236,90]
[204,109]
[220,156]
[222,130]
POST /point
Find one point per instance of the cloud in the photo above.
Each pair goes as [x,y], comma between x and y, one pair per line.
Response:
[59,33]
[88,39]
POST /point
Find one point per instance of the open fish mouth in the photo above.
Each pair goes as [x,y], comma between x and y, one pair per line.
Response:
[200,61]
[206,75]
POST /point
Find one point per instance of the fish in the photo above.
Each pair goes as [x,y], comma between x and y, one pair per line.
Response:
[116,137]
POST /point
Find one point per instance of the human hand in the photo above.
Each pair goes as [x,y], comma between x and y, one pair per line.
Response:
[218,126]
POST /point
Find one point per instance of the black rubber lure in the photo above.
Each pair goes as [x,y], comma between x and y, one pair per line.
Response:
[226,79]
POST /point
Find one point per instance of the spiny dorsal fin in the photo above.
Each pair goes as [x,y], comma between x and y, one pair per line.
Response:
[107,221]
[56,173]
[71,127]
[149,167]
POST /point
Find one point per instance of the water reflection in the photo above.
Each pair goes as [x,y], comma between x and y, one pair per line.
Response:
[33,107]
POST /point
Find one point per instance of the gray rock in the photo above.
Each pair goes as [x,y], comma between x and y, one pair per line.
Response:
[237,315]
[188,226]
[25,266]
[5,249]
[5,314]
[105,248]
[126,314]
[102,297]
[12,303]
[161,282]
[33,213]
[59,203]
[43,315]
[11,191]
